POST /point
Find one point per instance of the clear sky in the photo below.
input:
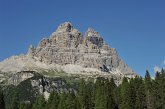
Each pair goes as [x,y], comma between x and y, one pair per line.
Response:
[136,28]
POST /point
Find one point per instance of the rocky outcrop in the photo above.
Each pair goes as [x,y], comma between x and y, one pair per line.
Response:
[92,36]
[68,46]
[69,50]
[31,51]
[30,84]
[20,76]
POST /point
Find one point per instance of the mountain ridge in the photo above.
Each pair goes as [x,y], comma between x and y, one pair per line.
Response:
[70,51]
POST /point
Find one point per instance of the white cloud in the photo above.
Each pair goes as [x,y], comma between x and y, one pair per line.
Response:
[157,69]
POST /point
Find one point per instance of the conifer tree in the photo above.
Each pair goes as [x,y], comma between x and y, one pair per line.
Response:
[53,101]
[70,101]
[2,102]
[62,102]
[109,87]
[125,95]
[15,101]
[100,96]
[22,105]
[163,87]
[40,103]
[84,96]
[133,86]
[140,95]
[150,100]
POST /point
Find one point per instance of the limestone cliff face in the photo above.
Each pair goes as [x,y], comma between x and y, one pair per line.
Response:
[68,46]
[69,50]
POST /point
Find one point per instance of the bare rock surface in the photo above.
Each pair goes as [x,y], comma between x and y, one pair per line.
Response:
[70,51]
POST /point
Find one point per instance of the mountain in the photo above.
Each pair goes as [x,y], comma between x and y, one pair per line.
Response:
[58,64]
[68,51]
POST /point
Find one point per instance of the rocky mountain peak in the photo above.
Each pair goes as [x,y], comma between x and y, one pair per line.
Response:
[31,51]
[94,37]
[65,27]
[68,50]
[92,33]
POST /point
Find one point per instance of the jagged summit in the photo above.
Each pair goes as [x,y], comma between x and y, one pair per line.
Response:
[68,50]
[65,27]
[92,33]
[94,37]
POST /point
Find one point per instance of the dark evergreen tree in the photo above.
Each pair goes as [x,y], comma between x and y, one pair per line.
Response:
[40,103]
[22,105]
[100,95]
[114,92]
[62,102]
[70,101]
[125,102]
[15,101]
[85,96]
[140,95]
[134,93]
[82,94]
[2,102]
[53,101]
[159,90]
[25,105]
[163,87]
[89,96]
[77,104]
[109,88]
[150,98]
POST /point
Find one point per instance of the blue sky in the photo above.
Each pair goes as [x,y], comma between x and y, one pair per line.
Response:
[136,28]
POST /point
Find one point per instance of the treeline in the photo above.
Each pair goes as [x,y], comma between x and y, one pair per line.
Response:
[135,93]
